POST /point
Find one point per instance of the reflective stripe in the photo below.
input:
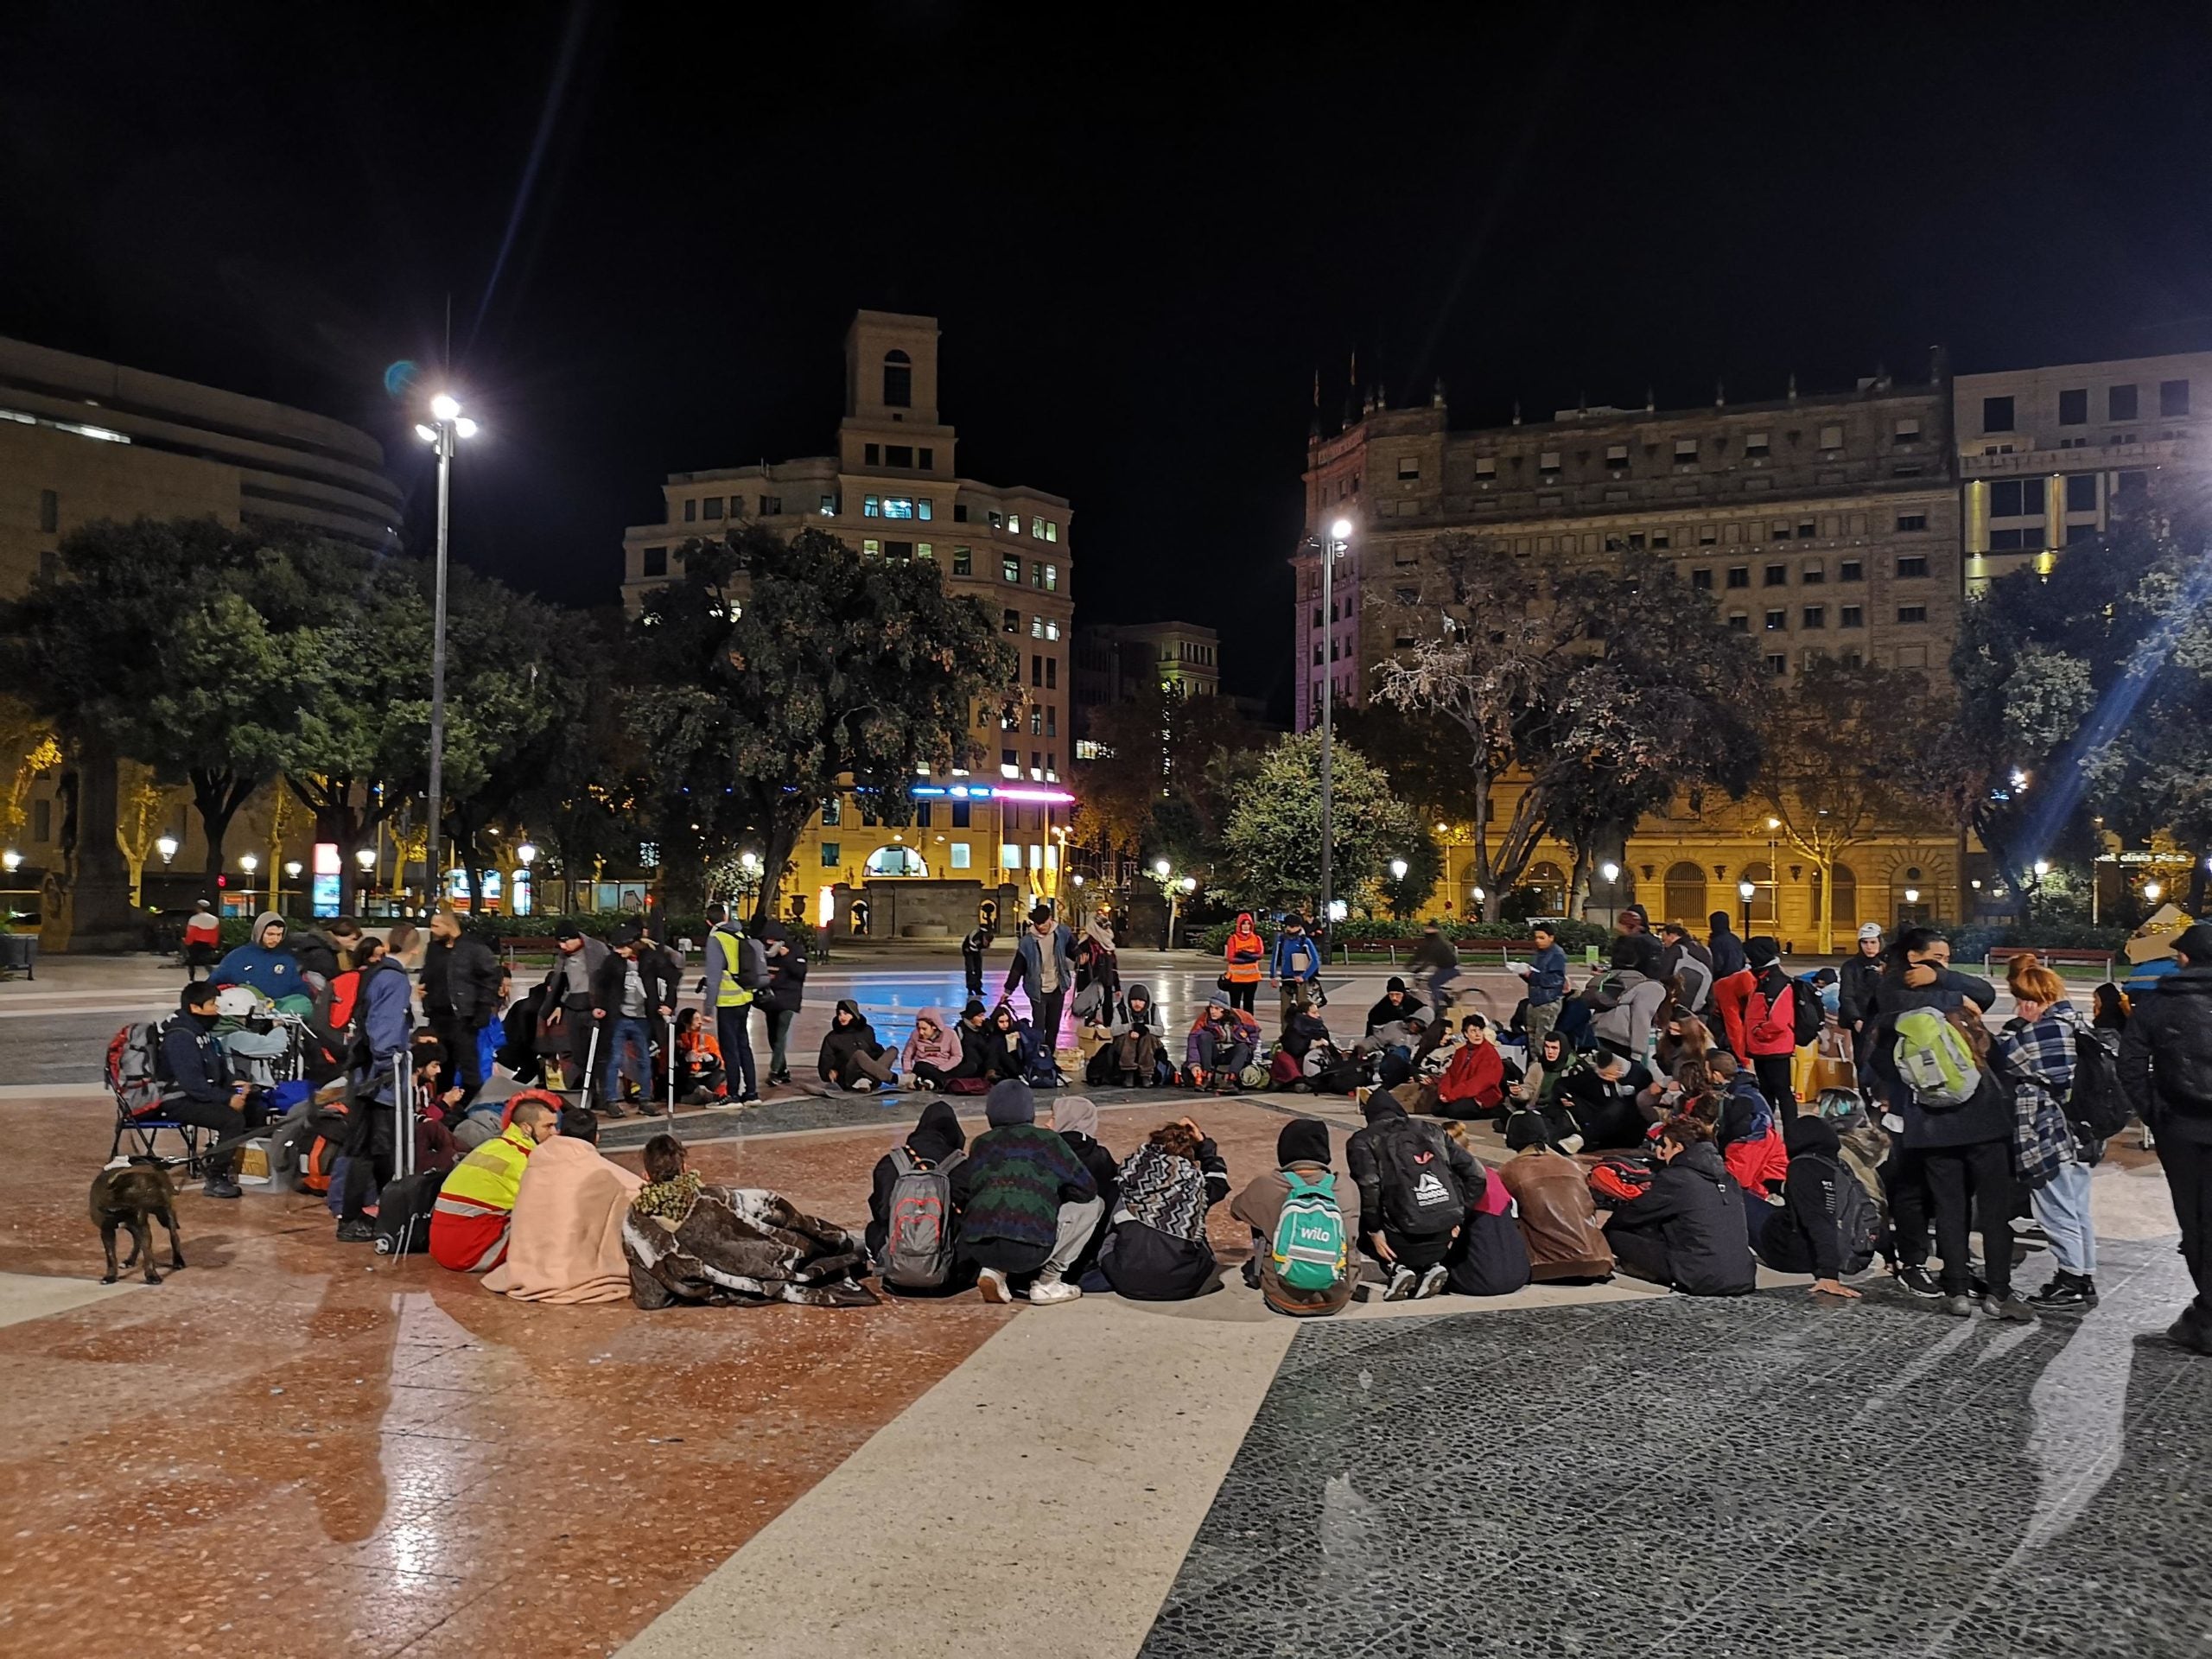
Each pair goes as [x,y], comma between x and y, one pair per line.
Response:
[489,1176]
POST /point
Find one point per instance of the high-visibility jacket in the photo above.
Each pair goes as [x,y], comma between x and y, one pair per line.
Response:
[1241,958]
[725,960]
[469,1222]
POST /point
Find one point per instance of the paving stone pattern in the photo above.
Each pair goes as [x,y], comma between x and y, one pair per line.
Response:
[1764,1476]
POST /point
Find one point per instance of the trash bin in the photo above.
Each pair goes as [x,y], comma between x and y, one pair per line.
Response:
[19,953]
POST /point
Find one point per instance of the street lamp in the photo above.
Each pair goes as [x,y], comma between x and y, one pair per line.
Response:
[12,860]
[1160,868]
[1339,538]
[1398,867]
[167,848]
[1745,890]
[451,426]
[2150,889]
[2042,867]
[1480,898]
[248,863]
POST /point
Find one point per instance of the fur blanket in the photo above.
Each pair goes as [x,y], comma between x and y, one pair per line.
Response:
[566,1242]
[687,1242]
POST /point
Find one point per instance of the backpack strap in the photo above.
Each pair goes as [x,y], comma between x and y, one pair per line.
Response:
[946,1165]
[904,1160]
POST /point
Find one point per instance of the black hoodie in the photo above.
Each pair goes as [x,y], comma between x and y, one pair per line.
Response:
[1385,1011]
[1695,1205]
[840,1043]
[1801,1236]
[2165,1056]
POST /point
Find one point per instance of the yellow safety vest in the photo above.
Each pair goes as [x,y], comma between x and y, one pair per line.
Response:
[730,993]
[489,1177]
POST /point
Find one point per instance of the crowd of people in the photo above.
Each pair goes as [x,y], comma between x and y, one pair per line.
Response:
[1690,1110]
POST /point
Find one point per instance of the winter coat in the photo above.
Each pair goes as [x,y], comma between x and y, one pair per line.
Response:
[1627,1025]
[932,1141]
[1557,1216]
[316,951]
[652,973]
[274,974]
[787,989]
[1243,956]
[1296,956]
[1489,1258]
[1695,1206]
[194,1065]
[1259,1206]
[461,980]
[1474,1079]
[1156,1250]
[840,1044]
[1027,968]
[1547,977]
[1367,1156]
[1692,964]
[1760,1011]
[1606,1112]
[1726,950]
[1988,1116]
[2165,1056]
[1856,982]
[1385,1012]
[1010,1187]
[1124,1024]
[387,999]
[945,1052]
[1749,1144]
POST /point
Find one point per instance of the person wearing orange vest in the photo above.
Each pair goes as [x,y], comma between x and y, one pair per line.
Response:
[475,1207]
[1241,960]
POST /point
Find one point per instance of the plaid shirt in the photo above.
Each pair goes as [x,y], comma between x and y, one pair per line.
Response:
[2040,1059]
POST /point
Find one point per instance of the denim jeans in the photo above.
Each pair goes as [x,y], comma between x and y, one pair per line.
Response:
[2062,1210]
[632,1037]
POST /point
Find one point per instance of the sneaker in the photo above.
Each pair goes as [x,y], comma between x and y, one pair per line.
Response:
[1917,1279]
[1402,1280]
[727,1103]
[220,1186]
[1046,1292]
[751,1098]
[1959,1306]
[860,1085]
[1430,1282]
[2066,1291]
[611,1108]
[355,1232]
[2009,1308]
[993,1285]
[777,1077]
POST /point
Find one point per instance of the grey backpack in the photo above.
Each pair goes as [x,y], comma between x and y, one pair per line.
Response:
[918,1243]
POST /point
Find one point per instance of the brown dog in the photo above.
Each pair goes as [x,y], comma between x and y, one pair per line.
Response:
[132,1196]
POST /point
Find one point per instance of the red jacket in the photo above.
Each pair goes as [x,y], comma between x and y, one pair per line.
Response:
[1758,1164]
[1757,1027]
[1477,1073]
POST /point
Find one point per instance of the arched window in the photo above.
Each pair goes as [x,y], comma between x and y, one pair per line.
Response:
[1846,897]
[896,859]
[898,380]
[1762,900]
[1551,884]
[1686,893]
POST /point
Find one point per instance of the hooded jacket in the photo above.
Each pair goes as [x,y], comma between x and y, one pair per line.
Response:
[1856,983]
[1988,1116]
[1691,963]
[196,1067]
[787,989]
[1011,1186]
[1803,1236]
[1125,1022]
[2165,1056]
[945,1053]
[840,1043]
[932,1141]
[1301,1149]
[1725,947]
[275,973]
[1695,1205]
[1369,1156]
[1627,1025]
[1076,1119]
[1558,1219]
[1245,952]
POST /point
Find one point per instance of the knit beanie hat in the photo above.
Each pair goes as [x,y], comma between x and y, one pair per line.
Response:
[1303,1140]
[1762,950]
[2195,942]
[1010,1102]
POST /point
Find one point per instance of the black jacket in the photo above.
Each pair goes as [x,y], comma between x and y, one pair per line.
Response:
[840,1043]
[786,974]
[1726,948]
[654,972]
[194,1065]
[1988,1116]
[2165,1056]
[1144,1264]
[1384,1011]
[461,980]
[1366,1156]
[1695,1206]
[315,952]
[1606,1112]
[1856,982]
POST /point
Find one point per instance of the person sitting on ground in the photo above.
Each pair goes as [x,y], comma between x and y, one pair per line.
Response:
[1394,1075]
[471,1221]
[1751,1142]
[851,1057]
[1006,1041]
[1489,1257]
[934,1052]
[1473,1083]
[1602,1097]
[1805,1233]
[1558,1219]
[566,1244]
[1028,1205]
[685,1241]
[932,1144]
[197,1087]
[203,939]
[1222,1042]
[1395,1006]
[1415,1183]
[1156,1248]
[1687,1227]
[1626,1000]
[1075,1119]
[1687,1037]
[1542,1088]
[1305,1270]
[700,1076]
[1134,1054]
[264,962]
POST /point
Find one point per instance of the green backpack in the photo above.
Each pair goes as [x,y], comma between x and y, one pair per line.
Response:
[1934,1060]
[1309,1250]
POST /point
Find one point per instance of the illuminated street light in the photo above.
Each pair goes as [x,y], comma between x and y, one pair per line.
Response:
[167,848]
[1190,884]
[527,853]
[367,858]
[12,860]
[1398,867]
[2151,890]
[1912,895]
[248,862]
[451,427]
[1611,871]
[2043,867]
[1159,868]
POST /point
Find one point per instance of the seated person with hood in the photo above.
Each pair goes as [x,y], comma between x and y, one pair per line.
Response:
[1305,1270]
[851,1057]
[264,962]
[1028,1205]
[1132,1056]
[1542,1088]
[1156,1248]
[566,1244]
[1075,1119]
[1687,1227]
[1394,1075]
[1805,1235]
[717,1246]
[1222,1042]
[1559,1220]
[1415,1184]
[1602,1096]
[474,1212]
[974,1063]
[1626,999]
[1005,1043]
[934,1052]
[1744,1129]
[932,1144]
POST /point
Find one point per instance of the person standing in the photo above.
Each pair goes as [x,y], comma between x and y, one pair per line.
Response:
[1099,955]
[1295,967]
[461,995]
[1546,975]
[1759,1006]
[203,940]
[1857,980]
[2165,1068]
[971,956]
[565,1022]
[2052,1157]
[1240,959]
[1044,966]
[786,992]
[632,990]
[1725,947]
[737,969]
[386,1000]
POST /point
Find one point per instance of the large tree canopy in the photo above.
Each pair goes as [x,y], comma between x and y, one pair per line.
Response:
[1272,844]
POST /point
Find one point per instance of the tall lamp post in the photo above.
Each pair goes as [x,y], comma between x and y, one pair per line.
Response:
[1331,550]
[1746,890]
[445,429]
[248,863]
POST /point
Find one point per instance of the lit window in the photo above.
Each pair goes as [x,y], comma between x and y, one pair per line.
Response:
[964,561]
[897,507]
[1036,627]
[1010,854]
[1037,526]
[1051,627]
[873,548]
[1012,621]
[925,550]
[831,854]
[1010,569]
[1777,621]
[871,507]
[1037,573]
[922,508]
[960,855]
[1051,578]
[1051,530]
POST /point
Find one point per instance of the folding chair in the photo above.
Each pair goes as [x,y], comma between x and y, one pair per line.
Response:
[141,1133]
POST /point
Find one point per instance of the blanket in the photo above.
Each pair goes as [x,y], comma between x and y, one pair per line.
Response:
[566,1244]
[687,1242]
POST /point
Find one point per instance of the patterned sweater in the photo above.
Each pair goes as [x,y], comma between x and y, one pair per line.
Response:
[1012,1182]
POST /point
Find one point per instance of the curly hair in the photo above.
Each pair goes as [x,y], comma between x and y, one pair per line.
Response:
[664,1158]
[1178,1139]
[1685,1131]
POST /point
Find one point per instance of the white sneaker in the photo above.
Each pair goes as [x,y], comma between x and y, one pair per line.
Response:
[1400,1285]
[1046,1292]
[861,1085]
[1430,1282]
[993,1285]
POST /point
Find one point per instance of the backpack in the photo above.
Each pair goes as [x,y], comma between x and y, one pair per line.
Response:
[332,1026]
[918,1242]
[1421,1195]
[1768,1026]
[1615,1181]
[1858,1225]
[1934,1060]
[1309,1252]
[135,1067]
[403,1223]
[326,1147]
[2095,1101]
[752,965]
[1807,1014]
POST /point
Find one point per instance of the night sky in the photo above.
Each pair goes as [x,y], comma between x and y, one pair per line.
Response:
[1143,239]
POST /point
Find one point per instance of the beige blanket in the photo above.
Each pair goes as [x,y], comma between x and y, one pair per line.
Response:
[566,1245]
